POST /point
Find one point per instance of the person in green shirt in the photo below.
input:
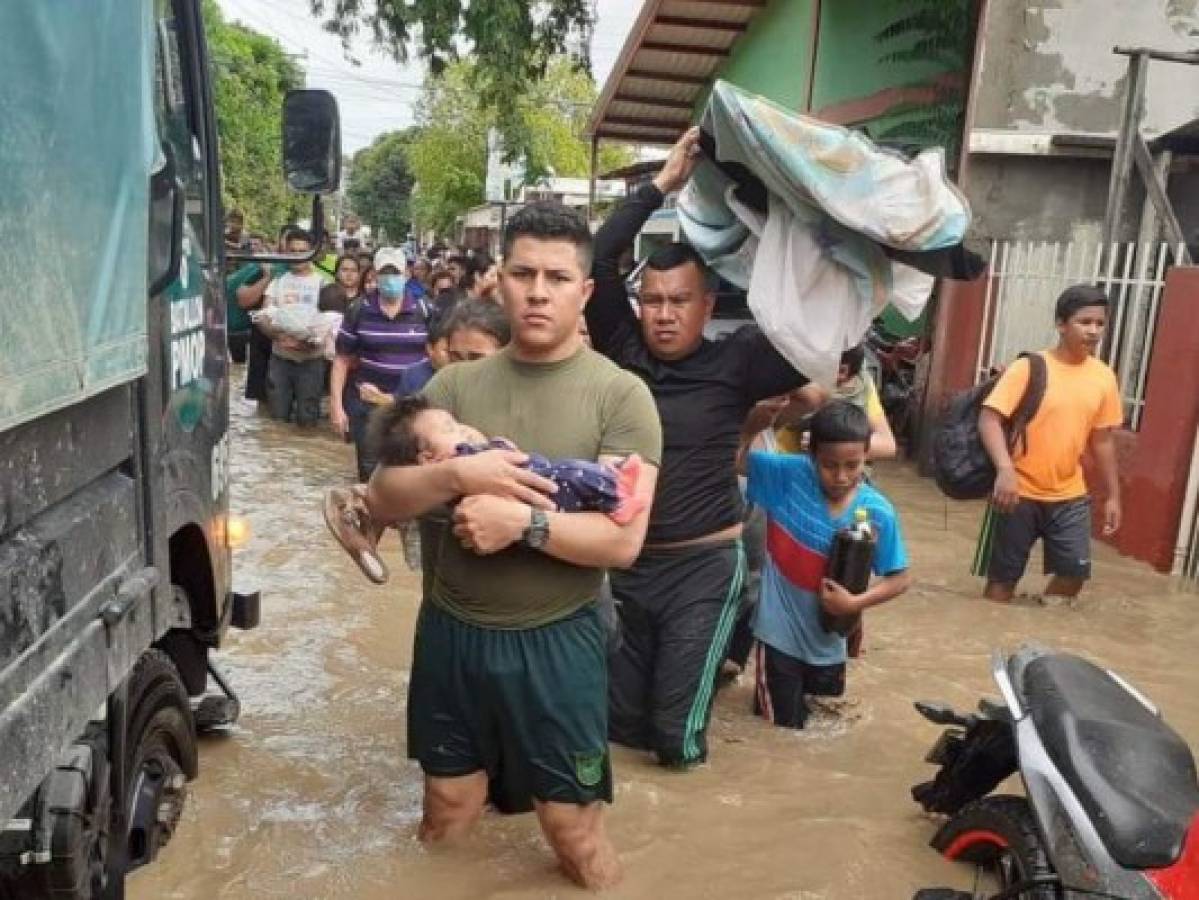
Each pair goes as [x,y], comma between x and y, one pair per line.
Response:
[509,678]
[237,318]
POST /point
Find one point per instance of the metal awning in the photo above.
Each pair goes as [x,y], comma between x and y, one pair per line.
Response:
[670,57]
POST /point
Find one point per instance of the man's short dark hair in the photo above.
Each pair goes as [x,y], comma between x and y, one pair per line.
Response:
[478,315]
[1077,297]
[391,434]
[675,254]
[548,220]
[296,233]
[839,422]
[852,359]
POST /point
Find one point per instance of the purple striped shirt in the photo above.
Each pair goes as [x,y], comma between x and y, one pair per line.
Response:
[383,346]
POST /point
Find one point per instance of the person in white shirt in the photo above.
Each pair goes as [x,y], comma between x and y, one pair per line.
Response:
[296,374]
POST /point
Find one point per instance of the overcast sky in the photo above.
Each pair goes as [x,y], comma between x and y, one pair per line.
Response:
[379,94]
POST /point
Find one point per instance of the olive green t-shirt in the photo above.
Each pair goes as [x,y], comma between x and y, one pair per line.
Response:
[583,407]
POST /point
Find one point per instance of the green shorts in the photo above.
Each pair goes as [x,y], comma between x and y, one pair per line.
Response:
[529,707]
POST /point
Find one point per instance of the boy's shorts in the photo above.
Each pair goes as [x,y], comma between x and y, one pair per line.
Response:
[1064,528]
[529,707]
[783,682]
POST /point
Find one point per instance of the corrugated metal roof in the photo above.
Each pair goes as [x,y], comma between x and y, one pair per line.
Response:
[671,55]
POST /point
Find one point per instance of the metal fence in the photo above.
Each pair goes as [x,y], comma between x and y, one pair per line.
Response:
[1025,279]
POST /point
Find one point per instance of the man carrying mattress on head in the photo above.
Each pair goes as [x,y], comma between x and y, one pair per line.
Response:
[679,601]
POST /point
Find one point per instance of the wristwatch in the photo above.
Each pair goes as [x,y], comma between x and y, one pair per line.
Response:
[537,534]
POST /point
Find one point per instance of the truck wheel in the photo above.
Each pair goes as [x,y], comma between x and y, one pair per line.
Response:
[71,810]
[161,752]
[1000,837]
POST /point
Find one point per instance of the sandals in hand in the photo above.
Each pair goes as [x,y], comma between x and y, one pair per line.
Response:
[350,523]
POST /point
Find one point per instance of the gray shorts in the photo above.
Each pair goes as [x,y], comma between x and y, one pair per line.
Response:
[1064,528]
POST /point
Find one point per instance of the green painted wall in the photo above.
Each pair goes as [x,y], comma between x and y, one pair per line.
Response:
[772,57]
[847,65]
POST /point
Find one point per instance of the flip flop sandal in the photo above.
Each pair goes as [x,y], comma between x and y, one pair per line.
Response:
[351,526]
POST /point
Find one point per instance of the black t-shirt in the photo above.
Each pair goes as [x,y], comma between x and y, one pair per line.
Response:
[702,399]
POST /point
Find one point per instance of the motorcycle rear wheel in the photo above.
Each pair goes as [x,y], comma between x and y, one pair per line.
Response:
[999,836]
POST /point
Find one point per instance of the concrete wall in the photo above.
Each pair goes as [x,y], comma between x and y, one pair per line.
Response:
[1061,199]
[1041,198]
[773,57]
[1048,64]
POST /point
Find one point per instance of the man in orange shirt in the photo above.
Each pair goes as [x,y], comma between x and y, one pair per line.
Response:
[1042,492]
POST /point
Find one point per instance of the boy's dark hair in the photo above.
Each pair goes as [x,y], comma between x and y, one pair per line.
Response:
[675,254]
[838,422]
[391,436]
[478,315]
[475,266]
[1077,297]
[853,358]
[435,326]
[548,220]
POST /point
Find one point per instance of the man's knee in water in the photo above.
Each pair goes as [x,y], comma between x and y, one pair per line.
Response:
[577,836]
[452,805]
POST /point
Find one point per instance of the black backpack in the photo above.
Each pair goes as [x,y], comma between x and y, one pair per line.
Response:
[961,466]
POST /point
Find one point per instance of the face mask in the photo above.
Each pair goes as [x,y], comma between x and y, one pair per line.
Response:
[391,286]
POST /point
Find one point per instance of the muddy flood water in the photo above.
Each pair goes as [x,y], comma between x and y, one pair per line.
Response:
[311,794]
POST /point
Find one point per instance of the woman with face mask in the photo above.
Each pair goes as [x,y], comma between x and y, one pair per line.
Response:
[378,341]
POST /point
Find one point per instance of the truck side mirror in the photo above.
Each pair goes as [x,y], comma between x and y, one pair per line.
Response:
[165,247]
[311,142]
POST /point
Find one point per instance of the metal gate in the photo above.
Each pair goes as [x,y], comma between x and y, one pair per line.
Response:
[1025,279]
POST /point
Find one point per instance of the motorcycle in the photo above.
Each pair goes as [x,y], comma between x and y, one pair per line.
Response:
[1111,804]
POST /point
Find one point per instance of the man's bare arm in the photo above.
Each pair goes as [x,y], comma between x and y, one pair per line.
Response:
[994,438]
[593,539]
[1103,446]
[488,524]
[402,493]
[250,295]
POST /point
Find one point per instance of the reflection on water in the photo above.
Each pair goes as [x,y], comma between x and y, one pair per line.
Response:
[311,795]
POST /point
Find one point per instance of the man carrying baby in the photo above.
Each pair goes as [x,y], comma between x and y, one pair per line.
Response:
[509,677]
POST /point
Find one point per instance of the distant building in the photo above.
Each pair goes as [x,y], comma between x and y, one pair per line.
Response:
[481,227]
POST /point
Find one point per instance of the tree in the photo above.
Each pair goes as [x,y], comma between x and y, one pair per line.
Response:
[251,76]
[381,184]
[448,157]
[512,43]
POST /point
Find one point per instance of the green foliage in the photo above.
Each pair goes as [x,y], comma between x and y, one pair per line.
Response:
[940,31]
[381,184]
[251,75]
[448,157]
[935,30]
[512,44]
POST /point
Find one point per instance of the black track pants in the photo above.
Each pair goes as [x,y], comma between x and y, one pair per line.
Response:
[677,609]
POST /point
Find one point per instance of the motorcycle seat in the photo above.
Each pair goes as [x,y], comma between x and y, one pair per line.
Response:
[1132,773]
